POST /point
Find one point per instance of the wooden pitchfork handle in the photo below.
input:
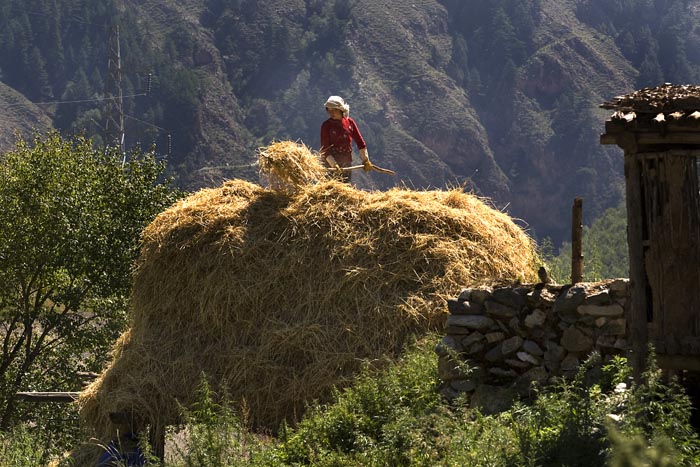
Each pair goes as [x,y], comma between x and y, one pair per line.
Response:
[374,167]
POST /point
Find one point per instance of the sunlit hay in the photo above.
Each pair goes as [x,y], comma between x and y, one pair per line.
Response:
[278,297]
[287,166]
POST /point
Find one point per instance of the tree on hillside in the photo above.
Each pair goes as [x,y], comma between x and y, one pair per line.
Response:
[69,230]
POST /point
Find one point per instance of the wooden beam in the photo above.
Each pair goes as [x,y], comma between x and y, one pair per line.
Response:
[668,138]
[672,134]
[48,396]
[659,125]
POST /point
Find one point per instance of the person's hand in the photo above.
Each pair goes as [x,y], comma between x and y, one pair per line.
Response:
[366,164]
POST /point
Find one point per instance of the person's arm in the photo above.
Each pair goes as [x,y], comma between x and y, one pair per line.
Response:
[361,145]
[356,135]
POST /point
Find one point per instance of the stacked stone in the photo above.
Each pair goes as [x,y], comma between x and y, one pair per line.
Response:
[512,336]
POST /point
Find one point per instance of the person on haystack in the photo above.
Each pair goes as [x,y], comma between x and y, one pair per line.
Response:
[337,135]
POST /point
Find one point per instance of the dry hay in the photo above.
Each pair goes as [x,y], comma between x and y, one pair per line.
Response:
[279,297]
[288,166]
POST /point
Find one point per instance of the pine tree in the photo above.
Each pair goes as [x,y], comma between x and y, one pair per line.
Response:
[38,87]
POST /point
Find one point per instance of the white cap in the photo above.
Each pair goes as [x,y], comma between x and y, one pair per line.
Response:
[337,102]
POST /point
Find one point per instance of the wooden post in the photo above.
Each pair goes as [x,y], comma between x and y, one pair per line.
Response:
[577,241]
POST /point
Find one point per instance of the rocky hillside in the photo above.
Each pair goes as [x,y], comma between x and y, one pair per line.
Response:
[500,96]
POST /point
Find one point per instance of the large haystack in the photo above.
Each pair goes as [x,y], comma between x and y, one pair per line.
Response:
[278,296]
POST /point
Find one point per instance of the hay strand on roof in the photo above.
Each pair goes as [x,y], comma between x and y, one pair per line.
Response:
[277,297]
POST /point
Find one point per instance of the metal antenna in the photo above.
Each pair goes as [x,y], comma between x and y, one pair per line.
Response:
[114,112]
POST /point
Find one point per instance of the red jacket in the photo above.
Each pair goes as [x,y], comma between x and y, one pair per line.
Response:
[337,137]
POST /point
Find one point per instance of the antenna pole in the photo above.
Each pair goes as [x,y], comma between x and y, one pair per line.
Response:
[114,113]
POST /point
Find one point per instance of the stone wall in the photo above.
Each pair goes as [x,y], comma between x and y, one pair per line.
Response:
[512,336]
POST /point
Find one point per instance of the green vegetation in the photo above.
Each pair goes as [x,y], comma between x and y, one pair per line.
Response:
[22,448]
[69,229]
[395,416]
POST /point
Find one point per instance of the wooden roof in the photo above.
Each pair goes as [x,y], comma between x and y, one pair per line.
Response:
[661,99]
[664,116]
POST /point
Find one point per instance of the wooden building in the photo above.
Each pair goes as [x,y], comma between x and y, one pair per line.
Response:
[659,131]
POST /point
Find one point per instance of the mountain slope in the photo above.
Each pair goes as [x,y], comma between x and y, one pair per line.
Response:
[392,61]
[220,138]
[499,96]
[550,148]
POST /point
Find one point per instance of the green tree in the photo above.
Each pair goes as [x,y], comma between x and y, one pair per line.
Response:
[69,233]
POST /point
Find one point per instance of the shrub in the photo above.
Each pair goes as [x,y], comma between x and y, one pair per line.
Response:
[21,448]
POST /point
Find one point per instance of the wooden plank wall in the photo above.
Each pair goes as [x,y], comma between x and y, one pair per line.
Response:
[672,254]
